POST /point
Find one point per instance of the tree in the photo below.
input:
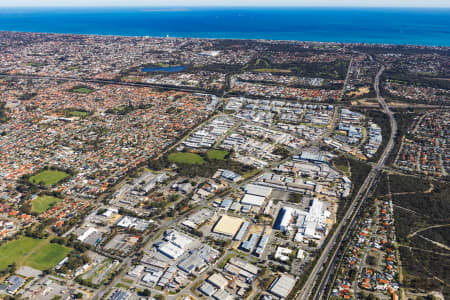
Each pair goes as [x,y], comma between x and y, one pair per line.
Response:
[370,297]
[295,198]
[312,243]
[145,293]
[371,260]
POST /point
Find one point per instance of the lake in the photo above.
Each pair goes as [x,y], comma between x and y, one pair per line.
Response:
[163,69]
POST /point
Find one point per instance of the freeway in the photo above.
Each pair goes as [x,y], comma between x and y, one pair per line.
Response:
[344,87]
[341,232]
[116,82]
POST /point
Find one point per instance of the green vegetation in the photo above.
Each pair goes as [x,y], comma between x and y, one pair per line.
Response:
[399,73]
[48,177]
[72,68]
[3,117]
[295,198]
[421,219]
[77,113]
[122,285]
[225,68]
[281,151]
[404,121]
[358,173]
[268,70]
[401,184]
[440,234]
[128,281]
[344,167]
[144,293]
[421,209]
[186,158]
[362,92]
[328,70]
[159,65]
[190,166]
[217,154]
[372,259]
[27,96]
[225,260]
[43,203]
[36,253]
[262,62]
[128,78]
[164,65]
[76,258]
[127,108]
[81,89]
[72,112]
[48,256]
[422,269]
[35,64]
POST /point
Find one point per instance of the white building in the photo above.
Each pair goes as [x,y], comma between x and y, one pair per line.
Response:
[282,286]
[311,224]
[253,200]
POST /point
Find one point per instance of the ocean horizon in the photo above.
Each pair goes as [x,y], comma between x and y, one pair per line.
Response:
[399,26]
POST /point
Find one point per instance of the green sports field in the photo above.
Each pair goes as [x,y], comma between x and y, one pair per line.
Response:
[217,154]
[186,158]
[48,177]
[77,113]
[43,203]
[82,90]
[35,253]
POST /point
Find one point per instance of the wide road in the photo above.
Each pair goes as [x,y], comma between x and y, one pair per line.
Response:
[116,82]
[342,230]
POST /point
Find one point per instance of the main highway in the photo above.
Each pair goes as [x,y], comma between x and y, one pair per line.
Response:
[341,232]
[112,81]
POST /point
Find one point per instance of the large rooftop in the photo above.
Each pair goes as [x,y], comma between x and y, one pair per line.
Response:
[228,225]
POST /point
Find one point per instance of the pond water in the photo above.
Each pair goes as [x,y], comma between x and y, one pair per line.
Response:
[163,69]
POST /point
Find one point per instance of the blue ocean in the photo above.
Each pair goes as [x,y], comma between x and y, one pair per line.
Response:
[365,25]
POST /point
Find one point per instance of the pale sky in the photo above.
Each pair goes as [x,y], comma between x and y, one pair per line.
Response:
[189,3]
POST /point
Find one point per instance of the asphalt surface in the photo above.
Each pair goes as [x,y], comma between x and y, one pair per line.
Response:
[116,82]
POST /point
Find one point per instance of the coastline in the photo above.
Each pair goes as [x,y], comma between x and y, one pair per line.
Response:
[384,26]
[238,39]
